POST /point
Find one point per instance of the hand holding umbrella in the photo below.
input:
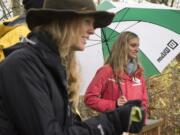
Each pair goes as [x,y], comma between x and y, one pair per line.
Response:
[121,101]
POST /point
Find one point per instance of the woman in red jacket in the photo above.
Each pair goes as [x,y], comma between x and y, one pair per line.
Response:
[120,79]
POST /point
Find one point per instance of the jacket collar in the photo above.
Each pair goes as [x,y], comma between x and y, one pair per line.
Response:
[137,74]
[47,50]
[45,40]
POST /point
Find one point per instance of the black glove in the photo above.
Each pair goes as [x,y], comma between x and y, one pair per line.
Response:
[120,118]
[136,127]
[133,103]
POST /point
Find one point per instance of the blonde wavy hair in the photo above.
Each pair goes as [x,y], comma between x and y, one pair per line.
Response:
[118,58]
[65,34]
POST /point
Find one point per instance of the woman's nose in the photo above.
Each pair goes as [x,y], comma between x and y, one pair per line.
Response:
[91,31]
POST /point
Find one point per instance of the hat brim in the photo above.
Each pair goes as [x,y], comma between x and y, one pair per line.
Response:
[36,17]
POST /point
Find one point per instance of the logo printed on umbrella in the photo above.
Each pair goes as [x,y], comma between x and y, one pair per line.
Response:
[171,45]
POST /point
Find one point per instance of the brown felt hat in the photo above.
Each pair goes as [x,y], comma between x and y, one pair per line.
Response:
[53,9]
[32,4]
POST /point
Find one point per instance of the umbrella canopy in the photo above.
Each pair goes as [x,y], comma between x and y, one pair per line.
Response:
[157,27]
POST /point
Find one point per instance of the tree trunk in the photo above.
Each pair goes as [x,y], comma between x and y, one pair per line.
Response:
[172,3]
[17,8]
[99,1]
[4,10]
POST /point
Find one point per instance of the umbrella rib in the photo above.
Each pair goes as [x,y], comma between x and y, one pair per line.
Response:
[93,40]
[105,41]
[92,45]
[128,28]
[118,23]
[98,36]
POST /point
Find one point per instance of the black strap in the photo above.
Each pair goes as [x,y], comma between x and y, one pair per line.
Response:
[119,85]
[117,80]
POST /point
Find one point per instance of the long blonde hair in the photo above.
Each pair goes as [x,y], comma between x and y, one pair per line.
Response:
[118,58]
[64,33]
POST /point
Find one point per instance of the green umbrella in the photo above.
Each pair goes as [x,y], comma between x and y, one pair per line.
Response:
[158,29]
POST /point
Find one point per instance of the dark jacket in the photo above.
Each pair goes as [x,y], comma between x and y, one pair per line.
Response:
[33,95]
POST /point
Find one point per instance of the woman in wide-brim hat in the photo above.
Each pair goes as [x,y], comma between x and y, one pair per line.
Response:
[44,76]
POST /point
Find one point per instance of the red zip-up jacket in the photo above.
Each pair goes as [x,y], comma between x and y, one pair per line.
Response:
[103,91]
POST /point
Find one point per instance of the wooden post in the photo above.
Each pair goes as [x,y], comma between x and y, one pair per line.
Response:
[153,127]
[99,1]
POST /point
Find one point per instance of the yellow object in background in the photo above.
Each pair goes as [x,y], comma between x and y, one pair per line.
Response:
[10,35]
[136,114]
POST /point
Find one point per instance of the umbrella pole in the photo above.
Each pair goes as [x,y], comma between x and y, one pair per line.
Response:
[106,41]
